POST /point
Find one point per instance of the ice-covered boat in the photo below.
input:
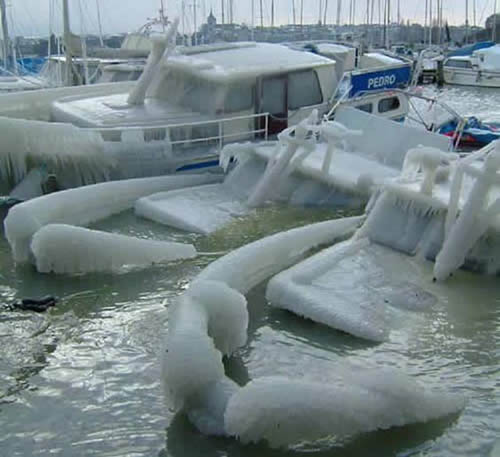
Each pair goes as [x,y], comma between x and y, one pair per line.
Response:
[357,286]
[312,164]
[372,285]
[177,117]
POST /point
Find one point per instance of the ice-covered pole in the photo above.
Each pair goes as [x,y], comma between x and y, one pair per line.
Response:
[162,49]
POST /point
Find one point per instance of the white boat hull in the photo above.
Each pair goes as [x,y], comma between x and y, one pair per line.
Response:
[470,77]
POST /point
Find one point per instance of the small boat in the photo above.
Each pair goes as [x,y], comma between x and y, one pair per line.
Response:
[480,69]
[473,133]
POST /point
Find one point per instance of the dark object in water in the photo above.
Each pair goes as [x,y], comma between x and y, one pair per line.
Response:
[38,305]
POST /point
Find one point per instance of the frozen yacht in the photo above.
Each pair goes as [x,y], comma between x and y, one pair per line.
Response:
[177,117]
[188,107]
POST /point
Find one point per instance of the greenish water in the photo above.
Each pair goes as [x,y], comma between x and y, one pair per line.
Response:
[84,379]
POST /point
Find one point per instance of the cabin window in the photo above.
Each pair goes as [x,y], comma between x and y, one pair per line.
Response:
[388,104]
[239,97]
[303,89]
[458,64]
[367,107]
[199,95]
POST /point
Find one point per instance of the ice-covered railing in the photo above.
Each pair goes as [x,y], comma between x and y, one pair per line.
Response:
[295,144]
[210,320]
[85,205]
[192,134]
[481,208]
[426,161]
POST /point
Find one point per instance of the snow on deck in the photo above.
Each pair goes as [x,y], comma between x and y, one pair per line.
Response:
[113,111]
[248,60]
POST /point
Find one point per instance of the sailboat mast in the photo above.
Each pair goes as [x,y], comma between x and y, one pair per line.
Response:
[99,24]
[326,10]
[294,15]
[430,22]
[339,11]
[301,13]
[261,15]
[222,10]
[272,13]
[494,29]
[67,45]
[466,21]
[5,32]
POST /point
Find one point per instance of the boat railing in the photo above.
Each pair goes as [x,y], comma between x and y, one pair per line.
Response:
[216,132]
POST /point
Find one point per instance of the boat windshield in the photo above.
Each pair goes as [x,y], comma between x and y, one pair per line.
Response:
[205,96]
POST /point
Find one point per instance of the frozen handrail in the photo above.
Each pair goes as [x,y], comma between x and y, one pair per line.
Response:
[477,214]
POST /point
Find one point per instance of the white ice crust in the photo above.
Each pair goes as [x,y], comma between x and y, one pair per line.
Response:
[210,320]
[65,249]
[82,206]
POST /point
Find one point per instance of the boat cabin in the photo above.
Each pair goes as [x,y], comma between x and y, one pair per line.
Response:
[259,87]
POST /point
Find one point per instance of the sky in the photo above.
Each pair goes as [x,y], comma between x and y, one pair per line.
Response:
[37,17]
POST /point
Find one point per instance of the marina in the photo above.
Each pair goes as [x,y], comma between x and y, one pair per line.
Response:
[254,248]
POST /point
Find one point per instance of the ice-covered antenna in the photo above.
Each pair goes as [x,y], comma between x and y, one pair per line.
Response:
[162,49]
[476,216]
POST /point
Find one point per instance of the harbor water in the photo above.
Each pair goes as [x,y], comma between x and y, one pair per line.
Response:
[84,378]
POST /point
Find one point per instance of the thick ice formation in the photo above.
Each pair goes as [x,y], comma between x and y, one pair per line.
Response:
[60,248]
[347,287]
[251,264]
[426,160]
[85,205]
[201,209]
[162,48]
[30,144]
[475,218]
[283,411]
[279,165]
[210,319]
